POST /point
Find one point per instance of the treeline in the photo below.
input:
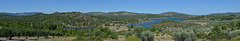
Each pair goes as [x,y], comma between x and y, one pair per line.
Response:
[125,14]
[10,32]
[58,23]
[220,17]
[31,25]
[69,19]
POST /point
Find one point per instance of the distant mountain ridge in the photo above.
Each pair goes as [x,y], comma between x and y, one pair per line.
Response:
[228,13]
[149,15]
[175,14]
[111,13]
[20,14]
[217,16]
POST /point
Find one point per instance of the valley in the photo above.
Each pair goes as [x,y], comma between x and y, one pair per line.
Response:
[119,26]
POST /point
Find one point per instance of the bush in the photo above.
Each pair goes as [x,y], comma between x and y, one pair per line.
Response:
[132,38]
[216,33]
[233,34]
[147,36]
[138,30]
[128,33]
[235,39]
[201,35]
[114,36]
[184,36]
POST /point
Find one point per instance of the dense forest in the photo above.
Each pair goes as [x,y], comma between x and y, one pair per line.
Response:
[98,26]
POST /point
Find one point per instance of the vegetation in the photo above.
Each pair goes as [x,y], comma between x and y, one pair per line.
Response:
[128,33]
[10,32]
[96,34]
[93,26]
[233,34]
[172,23]
[236,38]
[147,36]
[184,36]
[216,16]
[133,38]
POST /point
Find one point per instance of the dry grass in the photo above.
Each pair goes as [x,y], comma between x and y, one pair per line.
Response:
[59,39]
[63,39]
[201,23]
[121,28]
[22,38]
[120,38]
[164,37]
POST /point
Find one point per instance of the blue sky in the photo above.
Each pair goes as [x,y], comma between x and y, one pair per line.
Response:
[193,7]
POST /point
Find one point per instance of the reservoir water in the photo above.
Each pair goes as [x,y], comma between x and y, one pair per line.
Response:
[154,21]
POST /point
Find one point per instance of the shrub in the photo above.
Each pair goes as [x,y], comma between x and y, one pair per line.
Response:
[137,31]
[233,34]
[184,36]
[147,36]
[216,33]
[235,39]
[128,33]
[201,35]
[132,38]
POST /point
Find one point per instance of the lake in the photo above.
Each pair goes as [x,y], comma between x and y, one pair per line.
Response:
[154,21]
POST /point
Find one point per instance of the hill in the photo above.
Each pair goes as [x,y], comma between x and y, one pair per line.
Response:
[228,13]
[174,14]
[217,16]
[78,19]
[138,15]
[20,14]
[68,19]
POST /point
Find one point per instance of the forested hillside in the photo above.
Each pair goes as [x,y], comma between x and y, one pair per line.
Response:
[216,16]
[95,26]
[67,19]
[20,14]
[125,14]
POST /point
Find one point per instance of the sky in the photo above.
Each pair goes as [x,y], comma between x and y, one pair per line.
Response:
[193,7]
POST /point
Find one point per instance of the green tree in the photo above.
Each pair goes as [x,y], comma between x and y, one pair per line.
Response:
[147,36]
[233,34]
[128,33]
[137,31]
[216,33]
[184,36]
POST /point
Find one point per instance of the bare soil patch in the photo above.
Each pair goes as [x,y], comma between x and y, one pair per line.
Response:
[201,23]
[120,38]
[117,29]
